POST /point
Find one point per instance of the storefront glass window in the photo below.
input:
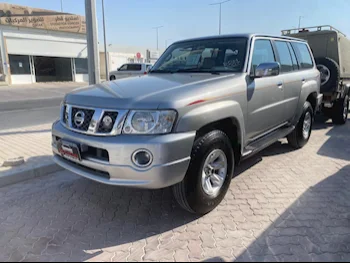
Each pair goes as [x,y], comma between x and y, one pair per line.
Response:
[19,65]
[81,66]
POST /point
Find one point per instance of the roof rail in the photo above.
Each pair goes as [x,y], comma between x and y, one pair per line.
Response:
[310,29]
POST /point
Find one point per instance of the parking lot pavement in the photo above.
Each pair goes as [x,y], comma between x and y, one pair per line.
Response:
[32,143]
[284,205]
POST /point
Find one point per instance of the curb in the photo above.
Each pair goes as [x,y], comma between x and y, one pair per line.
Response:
[30,173]
[30,104]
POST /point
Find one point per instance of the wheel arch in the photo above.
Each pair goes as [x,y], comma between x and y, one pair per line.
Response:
[224,115]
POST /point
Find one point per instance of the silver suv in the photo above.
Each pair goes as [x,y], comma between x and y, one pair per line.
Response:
[207,104]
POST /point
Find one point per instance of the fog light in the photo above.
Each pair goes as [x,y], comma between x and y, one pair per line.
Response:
[142,158]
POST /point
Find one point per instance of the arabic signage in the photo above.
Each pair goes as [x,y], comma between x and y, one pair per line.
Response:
[21,16]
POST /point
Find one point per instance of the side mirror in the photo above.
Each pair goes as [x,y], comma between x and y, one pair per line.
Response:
[266,70]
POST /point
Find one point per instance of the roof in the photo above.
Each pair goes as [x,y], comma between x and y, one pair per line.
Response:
[249,36]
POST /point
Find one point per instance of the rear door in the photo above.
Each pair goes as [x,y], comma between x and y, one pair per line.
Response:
[292,80]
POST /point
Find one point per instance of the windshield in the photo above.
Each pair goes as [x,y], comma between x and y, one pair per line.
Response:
[213,55]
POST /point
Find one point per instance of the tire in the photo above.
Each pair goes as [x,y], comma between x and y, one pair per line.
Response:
[111,78]
[341,111]
[191,193]
[330,74]
[298,139]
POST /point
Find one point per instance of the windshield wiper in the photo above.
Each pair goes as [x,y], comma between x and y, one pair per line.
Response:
[161,71]
[185,70]
[196,70]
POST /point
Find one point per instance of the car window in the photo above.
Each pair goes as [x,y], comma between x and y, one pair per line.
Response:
[294,57]
[284,56]
[209,55]
[123,68]
[263,53]
[303,54]
[134,67]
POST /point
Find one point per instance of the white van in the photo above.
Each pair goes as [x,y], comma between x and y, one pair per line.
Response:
[130,70]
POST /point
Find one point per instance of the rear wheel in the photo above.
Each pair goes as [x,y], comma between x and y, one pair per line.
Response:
[209,174]
[111,78]
[302,132]
[341,111]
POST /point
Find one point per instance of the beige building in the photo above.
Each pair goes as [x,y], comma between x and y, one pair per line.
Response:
[38,45]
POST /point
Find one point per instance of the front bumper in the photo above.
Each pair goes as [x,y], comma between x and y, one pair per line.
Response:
[171,158]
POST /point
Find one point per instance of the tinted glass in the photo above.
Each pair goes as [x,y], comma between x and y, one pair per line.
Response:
[19,65]
[134,67]
[123,68]
[263,53]
[210,55]
[284,56]
[303,54]
[294,58]
[81,66]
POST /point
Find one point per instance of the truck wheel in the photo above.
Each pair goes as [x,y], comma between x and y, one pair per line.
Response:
[302,132]
[341,111]
[330,73]
[209,174]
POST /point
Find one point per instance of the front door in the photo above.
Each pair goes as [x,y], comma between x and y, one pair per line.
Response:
[265,95]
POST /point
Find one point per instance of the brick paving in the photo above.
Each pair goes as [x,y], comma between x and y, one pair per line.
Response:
[284,205]
[32,143]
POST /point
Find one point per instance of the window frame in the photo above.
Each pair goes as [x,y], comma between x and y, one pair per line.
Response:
[134,64]
[251,53]
[80,72]
[298,55]
[272,39]
[29,70]
[245,58]
[279,57]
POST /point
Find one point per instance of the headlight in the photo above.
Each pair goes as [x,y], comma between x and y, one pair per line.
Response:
[149,122]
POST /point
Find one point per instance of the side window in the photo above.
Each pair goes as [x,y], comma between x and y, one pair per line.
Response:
[284,56]
[294,57]
[134,67]
[304,55]
[123,68]
[263,53]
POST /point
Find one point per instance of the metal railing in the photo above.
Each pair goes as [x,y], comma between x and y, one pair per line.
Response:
[287,32]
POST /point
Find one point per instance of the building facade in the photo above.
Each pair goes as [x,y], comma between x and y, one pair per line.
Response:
[41,46]
[38,45]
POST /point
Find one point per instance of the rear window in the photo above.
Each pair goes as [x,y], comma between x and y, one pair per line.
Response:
[304,56]
[134,67]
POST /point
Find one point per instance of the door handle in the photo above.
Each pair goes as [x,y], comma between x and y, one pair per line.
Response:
[303,80]
[280,85]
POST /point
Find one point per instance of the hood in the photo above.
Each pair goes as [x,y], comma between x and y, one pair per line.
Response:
[146,92]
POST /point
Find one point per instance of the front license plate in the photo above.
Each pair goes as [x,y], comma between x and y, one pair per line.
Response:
[69,150]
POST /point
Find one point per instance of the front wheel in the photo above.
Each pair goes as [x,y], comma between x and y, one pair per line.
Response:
[302,132]
[209,175]
[341,111]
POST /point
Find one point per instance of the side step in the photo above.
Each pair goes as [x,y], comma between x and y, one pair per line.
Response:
[266,141]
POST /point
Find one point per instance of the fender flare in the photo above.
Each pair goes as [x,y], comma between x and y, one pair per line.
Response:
[203,115]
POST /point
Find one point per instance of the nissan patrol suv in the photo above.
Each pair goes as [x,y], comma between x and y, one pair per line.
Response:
[207,104]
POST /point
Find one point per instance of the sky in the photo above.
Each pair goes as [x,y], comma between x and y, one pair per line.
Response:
[130,22]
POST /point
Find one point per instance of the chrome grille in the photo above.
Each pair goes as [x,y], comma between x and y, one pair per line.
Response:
[93,117]
[87,119]
[113,116]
